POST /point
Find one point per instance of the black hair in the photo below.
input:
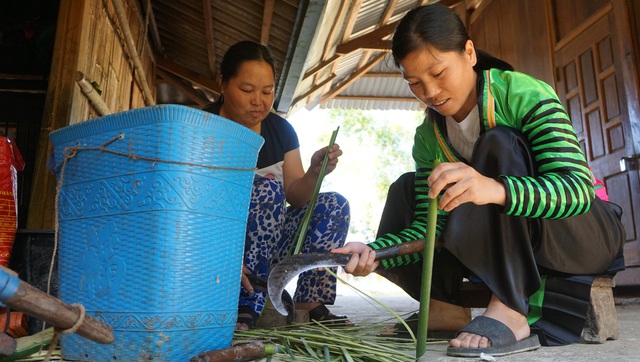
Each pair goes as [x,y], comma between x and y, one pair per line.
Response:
[440,27]
[241,52]
[237,54]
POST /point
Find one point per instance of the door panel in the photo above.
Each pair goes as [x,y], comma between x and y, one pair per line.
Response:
[592,91]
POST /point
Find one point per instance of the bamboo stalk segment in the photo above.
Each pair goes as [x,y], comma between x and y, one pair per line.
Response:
[301,233]
[427,266]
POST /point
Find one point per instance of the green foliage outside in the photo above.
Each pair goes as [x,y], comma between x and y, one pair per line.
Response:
[377,150]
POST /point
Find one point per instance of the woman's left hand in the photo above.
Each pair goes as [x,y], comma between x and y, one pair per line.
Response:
[318,157]
[464,184]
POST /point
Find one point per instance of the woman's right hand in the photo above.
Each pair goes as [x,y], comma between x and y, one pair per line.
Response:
[363,260]
[244,281]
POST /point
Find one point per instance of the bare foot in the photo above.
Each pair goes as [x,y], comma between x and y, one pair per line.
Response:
[243,326]
[447,317]
[498,311]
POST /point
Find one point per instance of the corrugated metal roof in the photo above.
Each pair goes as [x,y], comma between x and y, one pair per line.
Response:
[181,28]
[327,77]
[369,16]
[372,104]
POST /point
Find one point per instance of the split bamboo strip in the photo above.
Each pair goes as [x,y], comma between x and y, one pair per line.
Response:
[301,233]
[92,94]
[427,265]
[360,292]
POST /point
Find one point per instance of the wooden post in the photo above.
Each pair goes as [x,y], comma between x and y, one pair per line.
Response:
[133,52]
[57,108]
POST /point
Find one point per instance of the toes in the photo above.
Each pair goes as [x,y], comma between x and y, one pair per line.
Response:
[468,340]
[484,343]
[242,327]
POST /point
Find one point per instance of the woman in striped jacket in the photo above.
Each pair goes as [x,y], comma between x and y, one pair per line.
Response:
[516,203]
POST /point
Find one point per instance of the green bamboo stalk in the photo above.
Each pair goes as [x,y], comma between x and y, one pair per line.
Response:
[301,233]
[427,266]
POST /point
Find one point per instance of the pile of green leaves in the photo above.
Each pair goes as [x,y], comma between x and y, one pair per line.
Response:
[318,342]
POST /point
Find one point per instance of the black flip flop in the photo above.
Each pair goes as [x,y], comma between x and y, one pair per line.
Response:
[503,341]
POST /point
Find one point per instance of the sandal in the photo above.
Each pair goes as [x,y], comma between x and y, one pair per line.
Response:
[249,320]
[503,341]
[322,315]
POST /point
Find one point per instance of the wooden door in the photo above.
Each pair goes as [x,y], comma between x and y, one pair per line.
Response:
[591,86]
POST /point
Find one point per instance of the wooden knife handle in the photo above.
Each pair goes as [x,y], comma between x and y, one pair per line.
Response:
[406,248]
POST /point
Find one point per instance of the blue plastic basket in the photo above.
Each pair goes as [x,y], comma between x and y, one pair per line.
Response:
[152,228]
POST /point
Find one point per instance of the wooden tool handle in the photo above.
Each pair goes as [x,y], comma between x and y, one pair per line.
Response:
[240,352]
[41,305]
[410,247]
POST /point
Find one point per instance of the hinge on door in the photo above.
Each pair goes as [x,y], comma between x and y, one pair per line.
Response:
[629,162]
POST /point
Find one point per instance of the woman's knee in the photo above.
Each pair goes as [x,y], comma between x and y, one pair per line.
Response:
[334,202]
[503,150]
[267,191]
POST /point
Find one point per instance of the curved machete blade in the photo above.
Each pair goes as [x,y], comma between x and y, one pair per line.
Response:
[289,267]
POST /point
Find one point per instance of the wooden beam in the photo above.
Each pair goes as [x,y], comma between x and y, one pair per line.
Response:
[378,98]
[314,89]
[267,18]
[211,45]
[351,20]
[143,35]
[327,57]
[375,40]
[388,12]
[447,3]
[23,85]
[155,35]
[133,52]
[359,73]
[188,91]
[364,59]
[318,68]
[335,27]
[383,75]
[10,76]
[188,74]
[20,90]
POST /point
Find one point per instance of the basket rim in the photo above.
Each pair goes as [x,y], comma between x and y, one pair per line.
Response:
[151,115]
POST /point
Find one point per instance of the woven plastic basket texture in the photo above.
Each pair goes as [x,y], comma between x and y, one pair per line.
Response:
[151,229]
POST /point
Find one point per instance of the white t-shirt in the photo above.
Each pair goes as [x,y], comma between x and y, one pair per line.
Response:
[463,135]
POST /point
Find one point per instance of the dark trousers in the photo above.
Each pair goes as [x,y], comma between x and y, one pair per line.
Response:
[507,253]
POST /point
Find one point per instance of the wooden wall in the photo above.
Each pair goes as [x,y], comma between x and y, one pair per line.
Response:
[105,59]
[588,50]
[499,27]
[89,39]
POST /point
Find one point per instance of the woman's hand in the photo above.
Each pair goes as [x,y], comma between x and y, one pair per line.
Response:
[318,157]
[245,281]
[464,184]
[363,260]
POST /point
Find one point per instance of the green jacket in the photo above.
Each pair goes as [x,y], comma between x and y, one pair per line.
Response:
[563,187]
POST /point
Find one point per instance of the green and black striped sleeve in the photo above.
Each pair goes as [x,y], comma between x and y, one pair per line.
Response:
[562,186]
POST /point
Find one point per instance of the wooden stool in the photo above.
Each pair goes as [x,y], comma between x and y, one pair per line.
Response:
[602,319]
[601,323]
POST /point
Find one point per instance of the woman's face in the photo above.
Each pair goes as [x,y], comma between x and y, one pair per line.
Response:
[444,81]
[248,96]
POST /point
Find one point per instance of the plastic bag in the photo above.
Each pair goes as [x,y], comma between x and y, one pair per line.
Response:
[10,163]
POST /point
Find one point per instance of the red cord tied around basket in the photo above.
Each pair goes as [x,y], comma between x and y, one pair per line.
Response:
[10,163]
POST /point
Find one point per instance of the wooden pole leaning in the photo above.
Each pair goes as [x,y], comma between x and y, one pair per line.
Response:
[21,296]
